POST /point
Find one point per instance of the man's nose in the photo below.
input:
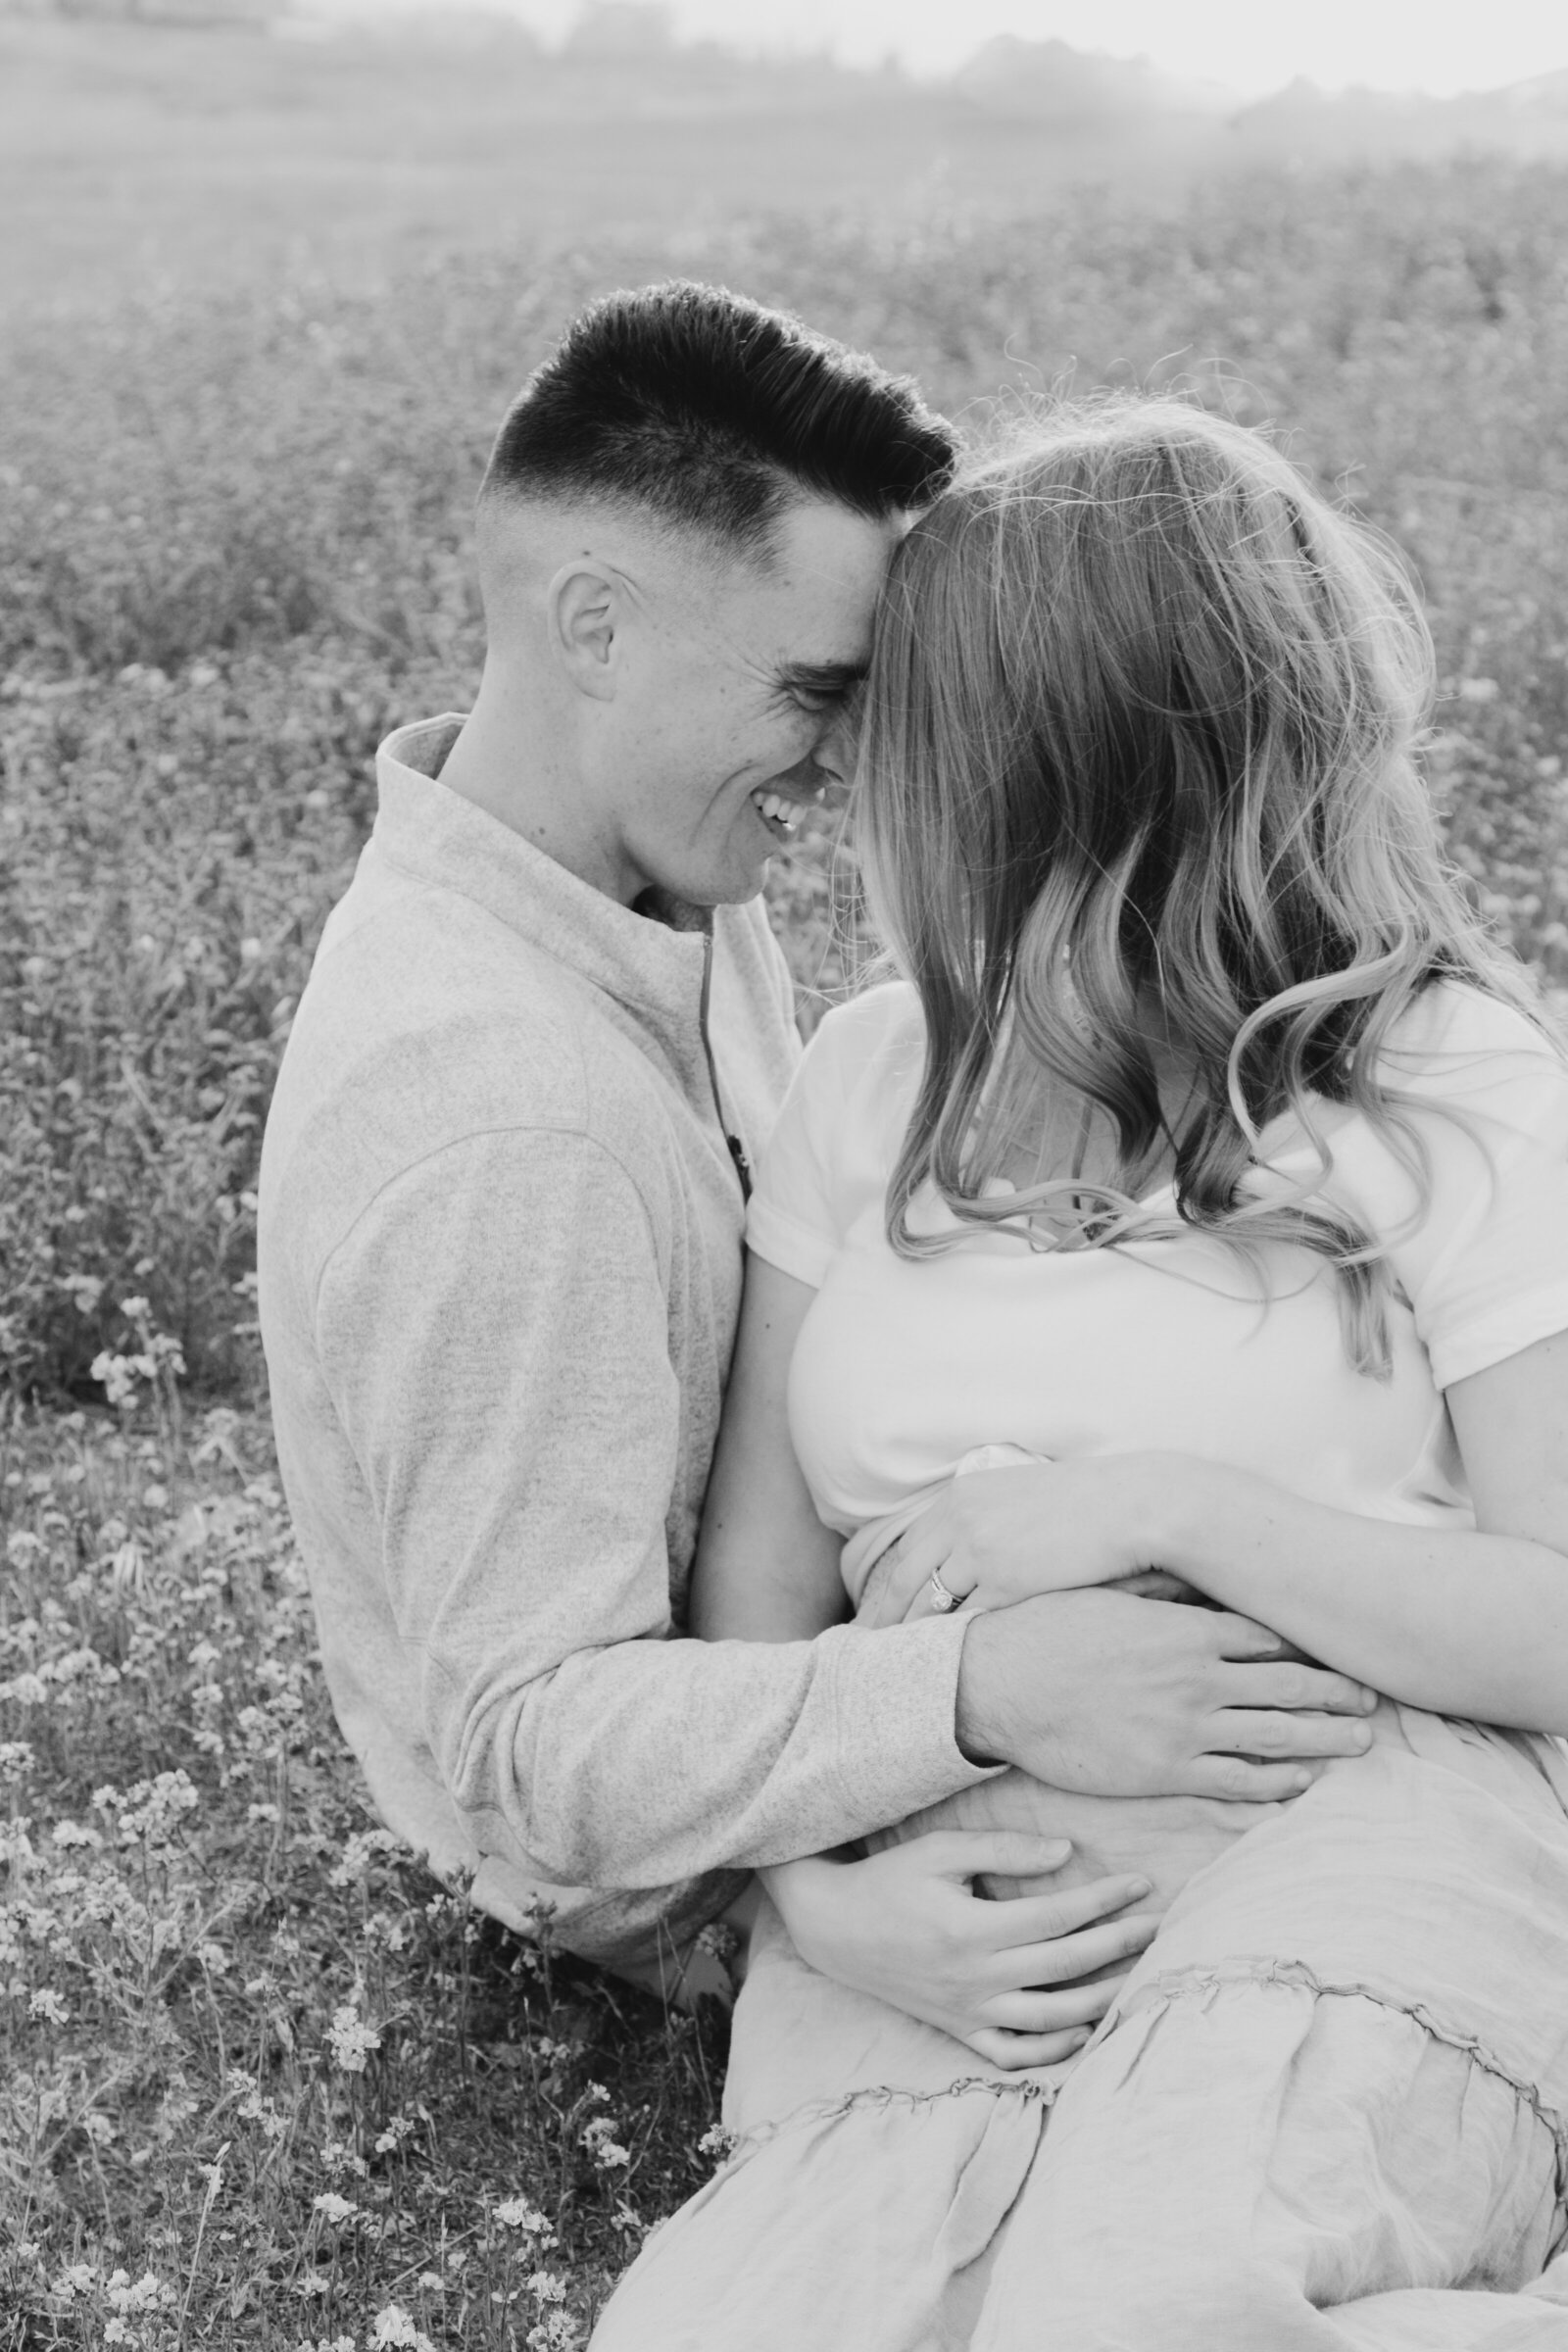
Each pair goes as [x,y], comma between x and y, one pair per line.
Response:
[832,756]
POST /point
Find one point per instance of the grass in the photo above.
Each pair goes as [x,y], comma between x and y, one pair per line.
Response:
[232,553]
[263,2081]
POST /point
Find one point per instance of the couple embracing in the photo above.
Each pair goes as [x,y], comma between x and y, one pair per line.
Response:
[1094,1605]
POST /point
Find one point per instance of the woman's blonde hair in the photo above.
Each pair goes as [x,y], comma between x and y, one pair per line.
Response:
[1142,721]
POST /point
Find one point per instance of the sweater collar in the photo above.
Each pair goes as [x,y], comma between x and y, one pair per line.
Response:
[653,963]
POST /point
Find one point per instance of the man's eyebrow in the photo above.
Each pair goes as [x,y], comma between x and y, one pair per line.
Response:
[823,677]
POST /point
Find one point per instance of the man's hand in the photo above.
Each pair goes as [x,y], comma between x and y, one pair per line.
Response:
[1118,1697]
[1002,1977]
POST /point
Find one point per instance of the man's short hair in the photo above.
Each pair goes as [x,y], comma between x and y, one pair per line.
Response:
[714,414]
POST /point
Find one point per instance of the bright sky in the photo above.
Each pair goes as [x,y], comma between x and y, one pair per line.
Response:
[1251,45]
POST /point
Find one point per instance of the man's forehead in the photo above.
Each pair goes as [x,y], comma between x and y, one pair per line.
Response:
[819,590]
[818,540]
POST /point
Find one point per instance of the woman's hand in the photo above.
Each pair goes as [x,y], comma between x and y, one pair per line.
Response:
[906,1926]
[999,1536]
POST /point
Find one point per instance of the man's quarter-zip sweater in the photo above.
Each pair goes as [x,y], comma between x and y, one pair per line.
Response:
[499,1259]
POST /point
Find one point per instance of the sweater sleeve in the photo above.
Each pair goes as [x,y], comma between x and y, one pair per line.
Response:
[494,1337]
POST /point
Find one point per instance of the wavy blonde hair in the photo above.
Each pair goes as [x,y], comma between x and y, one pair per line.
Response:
[1141,720]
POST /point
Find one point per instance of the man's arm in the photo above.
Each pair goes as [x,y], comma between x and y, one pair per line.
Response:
[494,1336]
[1092,1691]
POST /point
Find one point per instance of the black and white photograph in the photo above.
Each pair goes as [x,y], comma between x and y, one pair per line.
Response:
[783,1176]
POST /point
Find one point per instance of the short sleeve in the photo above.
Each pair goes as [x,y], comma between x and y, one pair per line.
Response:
[842,1113]
[1484,1258]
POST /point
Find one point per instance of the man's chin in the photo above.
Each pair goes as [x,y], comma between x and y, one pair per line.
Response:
[743,891]
[730,889]
[697,894]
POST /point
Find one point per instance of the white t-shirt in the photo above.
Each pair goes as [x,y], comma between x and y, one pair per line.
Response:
[904,1365]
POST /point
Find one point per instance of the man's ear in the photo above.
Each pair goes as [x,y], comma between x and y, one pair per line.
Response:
[585,614]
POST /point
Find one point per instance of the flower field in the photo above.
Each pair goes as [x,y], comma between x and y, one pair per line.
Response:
[262,2083]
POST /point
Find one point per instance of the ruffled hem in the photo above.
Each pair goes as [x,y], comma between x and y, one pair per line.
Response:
[1160,1993]
[1025,2089]
[1164,1991]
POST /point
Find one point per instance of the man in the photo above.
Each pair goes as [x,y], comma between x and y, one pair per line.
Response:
[503,1186]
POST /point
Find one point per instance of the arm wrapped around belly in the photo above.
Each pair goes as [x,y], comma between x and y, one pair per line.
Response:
[1166,1839]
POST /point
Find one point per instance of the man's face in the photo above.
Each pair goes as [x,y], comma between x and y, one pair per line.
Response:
[730,717]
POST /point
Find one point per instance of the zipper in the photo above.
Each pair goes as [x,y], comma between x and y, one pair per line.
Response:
[732,1143]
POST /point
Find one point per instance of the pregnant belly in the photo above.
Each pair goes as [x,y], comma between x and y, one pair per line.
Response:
[1169,1839]
[1166,1839]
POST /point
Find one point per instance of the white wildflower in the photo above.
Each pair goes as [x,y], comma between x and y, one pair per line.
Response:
[152,1807]
[598,2138]
[47,2004]
[333,2208]
[119,1374]
[555,2333]
[147,2293]
[357,1851]
[393,2325]
[518,2214]
[73,1832]
[352,2039]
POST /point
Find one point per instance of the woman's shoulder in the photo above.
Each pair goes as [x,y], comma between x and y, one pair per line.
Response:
[1465,1082]
[838,1134]
[1475,1221]
[877,1035]
[1453,1016]
[1459,1044]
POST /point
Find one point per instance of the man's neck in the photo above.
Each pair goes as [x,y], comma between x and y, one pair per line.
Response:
[508,760]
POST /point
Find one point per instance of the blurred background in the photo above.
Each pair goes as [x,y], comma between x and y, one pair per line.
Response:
[213,140]
[270,268]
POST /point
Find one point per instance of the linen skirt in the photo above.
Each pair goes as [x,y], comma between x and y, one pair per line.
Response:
[1328,2109]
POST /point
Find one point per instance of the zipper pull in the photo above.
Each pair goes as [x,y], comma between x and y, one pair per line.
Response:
[743,1166]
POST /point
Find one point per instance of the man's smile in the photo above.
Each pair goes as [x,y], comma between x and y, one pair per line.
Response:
[780,813]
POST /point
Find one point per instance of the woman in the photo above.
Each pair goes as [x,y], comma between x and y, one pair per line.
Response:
[1208,1166]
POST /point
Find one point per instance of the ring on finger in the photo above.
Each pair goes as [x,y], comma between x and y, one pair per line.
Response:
[941,1600]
